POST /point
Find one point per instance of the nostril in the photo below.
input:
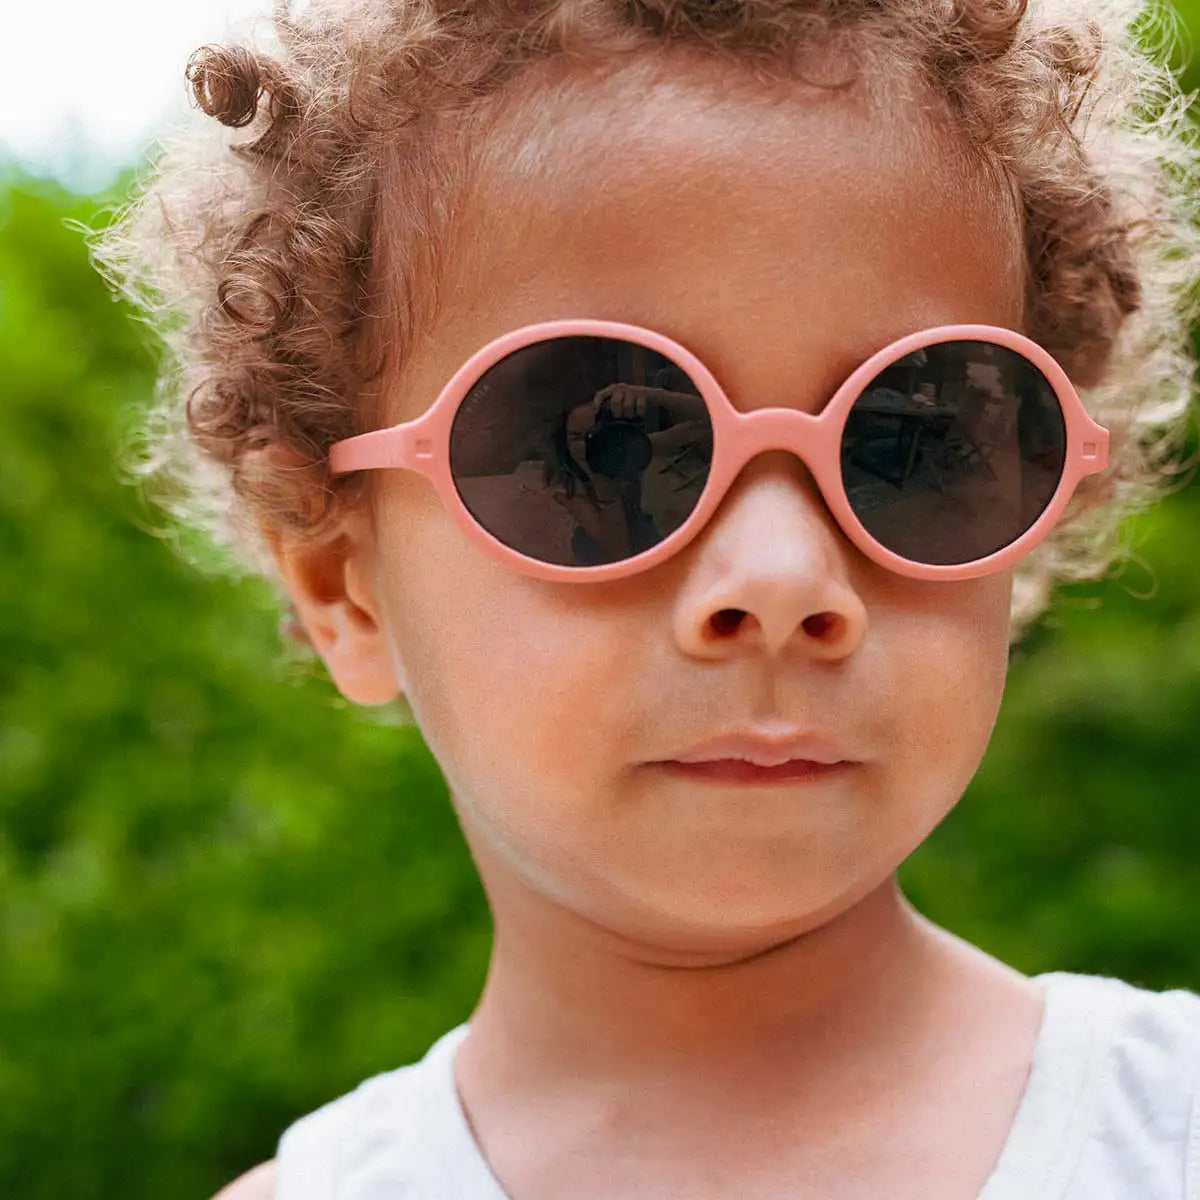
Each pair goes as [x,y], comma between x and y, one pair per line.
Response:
[824,626]
[727,621]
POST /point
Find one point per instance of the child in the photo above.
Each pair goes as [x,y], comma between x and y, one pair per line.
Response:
[737,342]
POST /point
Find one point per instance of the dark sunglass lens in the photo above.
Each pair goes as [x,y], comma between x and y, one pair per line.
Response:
[580,451]
[952,452]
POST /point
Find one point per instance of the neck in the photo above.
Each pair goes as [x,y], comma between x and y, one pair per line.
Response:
[569,1003]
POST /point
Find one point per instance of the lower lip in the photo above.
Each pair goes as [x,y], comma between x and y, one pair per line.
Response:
[735,771]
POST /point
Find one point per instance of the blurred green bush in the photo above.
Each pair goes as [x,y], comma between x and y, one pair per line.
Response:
[226,896]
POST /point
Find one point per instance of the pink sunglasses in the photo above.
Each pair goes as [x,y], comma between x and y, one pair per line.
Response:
[582,450]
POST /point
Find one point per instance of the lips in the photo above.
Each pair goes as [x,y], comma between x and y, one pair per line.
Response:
[764,749]
[759,756]
[737,771]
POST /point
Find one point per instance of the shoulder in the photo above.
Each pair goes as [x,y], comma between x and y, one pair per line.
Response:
[379,1131]
[1140,1079]
[372,1132]
[1139,1030]
[256,1184]
[1134,1016]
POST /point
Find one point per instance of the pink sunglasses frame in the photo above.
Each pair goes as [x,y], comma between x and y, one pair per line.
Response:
[423,445]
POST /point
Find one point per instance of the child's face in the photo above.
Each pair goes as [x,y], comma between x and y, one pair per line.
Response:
[782,245]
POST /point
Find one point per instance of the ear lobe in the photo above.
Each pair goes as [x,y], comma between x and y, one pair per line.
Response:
[332,588]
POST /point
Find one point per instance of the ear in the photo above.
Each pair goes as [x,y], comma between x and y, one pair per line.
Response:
[333,588]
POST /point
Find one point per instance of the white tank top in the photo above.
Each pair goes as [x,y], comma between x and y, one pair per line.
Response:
[1111,1111]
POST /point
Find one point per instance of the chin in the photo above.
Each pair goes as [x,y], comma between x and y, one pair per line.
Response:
[717,924]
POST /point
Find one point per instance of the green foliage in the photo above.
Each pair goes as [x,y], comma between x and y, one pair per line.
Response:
[1074,848]
[226,896]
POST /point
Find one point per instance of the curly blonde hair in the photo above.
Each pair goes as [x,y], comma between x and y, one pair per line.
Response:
[267,261]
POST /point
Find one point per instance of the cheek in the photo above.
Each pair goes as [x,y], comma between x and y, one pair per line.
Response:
[949,658]
[517,694]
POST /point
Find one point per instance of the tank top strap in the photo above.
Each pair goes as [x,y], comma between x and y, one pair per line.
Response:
[1111,1107]
[307,1159]
[372,1141]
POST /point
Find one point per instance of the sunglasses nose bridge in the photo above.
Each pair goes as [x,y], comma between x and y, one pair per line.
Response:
[808,437]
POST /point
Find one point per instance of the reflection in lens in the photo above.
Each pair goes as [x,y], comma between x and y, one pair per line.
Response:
[953,452]
[582,450]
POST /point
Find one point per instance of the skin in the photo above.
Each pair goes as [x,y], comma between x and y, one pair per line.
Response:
[696,989]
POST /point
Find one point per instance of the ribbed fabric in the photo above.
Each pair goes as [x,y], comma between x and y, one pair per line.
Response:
[1110,1112]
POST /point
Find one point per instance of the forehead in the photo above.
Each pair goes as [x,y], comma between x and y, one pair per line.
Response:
[810,226]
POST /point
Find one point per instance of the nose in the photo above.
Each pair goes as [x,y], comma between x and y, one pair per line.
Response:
[770,573]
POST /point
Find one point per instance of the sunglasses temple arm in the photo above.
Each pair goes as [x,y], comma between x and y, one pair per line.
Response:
[408,446]
[1093,449]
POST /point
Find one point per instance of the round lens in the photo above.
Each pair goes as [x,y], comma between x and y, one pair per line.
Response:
[580,451]
[951,453]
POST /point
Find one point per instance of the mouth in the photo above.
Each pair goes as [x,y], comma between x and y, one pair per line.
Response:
[760,756]
[742,773]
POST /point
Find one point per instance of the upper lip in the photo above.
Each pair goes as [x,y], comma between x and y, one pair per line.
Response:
[764,748]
